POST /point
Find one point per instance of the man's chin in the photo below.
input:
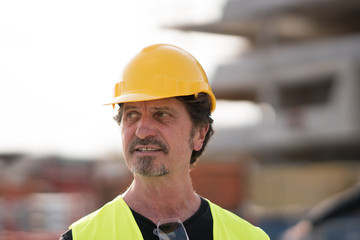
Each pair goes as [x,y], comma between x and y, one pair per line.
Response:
[150,172]
[146,167]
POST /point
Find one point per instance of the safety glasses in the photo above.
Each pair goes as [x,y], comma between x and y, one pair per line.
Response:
[171,229]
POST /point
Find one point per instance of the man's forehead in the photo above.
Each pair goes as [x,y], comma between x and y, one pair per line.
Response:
[159,103]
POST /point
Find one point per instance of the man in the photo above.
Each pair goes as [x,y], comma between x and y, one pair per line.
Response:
[165,103]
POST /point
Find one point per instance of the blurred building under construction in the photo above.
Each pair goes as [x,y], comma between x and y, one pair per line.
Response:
[302,70]
[303,62]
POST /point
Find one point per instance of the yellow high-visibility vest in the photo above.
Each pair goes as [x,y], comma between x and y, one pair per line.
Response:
[116,221]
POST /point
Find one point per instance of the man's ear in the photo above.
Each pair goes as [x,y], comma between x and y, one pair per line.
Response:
[200,136]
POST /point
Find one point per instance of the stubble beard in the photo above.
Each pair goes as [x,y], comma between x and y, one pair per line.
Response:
[146,167]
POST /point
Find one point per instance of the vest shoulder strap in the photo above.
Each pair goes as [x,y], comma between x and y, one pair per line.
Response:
[113,221]
[231,227]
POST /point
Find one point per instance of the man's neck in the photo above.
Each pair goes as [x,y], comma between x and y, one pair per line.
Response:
[159,198]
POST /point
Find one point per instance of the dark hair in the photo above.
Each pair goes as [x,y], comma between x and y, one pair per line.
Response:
[198,108]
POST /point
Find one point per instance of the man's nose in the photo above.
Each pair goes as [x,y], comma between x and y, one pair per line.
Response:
[145,127]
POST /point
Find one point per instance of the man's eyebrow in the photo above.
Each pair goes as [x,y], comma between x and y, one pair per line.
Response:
[162,108]
[165,108]
[129,107]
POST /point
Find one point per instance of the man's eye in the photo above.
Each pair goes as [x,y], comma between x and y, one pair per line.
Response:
[162,114]
[131,115]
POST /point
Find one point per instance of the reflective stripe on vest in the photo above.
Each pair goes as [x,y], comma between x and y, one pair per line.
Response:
[116,221]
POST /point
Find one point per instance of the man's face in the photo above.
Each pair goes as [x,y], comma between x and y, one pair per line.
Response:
[158,137]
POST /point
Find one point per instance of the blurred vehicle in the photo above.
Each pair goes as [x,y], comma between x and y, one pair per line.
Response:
[337,218]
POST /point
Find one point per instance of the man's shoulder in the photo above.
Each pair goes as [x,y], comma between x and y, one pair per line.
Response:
[231,223]
[104,210]
[226,214]
[97,225]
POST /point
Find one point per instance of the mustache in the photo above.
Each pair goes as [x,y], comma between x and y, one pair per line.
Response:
[147,141]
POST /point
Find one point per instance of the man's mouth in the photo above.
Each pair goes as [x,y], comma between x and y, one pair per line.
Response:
[147,149]
[147,146]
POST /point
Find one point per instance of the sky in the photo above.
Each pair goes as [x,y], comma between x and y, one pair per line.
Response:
[59,61]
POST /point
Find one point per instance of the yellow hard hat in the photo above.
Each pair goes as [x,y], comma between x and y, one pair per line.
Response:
[161,71]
